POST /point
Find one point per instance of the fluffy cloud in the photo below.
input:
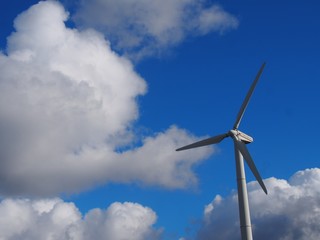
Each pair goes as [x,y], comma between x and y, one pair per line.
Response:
[291,210]
[67,104]
[58,220]
[143,27]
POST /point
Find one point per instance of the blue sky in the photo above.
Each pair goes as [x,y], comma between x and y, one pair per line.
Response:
[189,77]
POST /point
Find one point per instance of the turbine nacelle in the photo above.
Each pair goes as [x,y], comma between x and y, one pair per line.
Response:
[241,136]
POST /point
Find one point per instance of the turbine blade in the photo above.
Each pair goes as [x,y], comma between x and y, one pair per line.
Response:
[246,155]
[246,100]
[205,142]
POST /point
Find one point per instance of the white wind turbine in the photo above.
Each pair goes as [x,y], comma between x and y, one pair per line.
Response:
[240,140]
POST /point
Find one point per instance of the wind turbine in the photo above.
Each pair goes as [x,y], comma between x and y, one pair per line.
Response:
[240,140]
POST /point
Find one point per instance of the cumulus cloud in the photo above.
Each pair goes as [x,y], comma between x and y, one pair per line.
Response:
[144,27]
[67,104]
[58,220]
[291,210]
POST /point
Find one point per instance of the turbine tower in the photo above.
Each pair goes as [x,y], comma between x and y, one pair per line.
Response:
[240,140]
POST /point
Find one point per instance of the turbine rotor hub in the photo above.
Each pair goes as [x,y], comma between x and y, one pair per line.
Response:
[241,136]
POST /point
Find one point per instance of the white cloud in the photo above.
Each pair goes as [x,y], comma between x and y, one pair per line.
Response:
[145,27]
[67,103]
[291,210]
[58,220]
[122,221]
